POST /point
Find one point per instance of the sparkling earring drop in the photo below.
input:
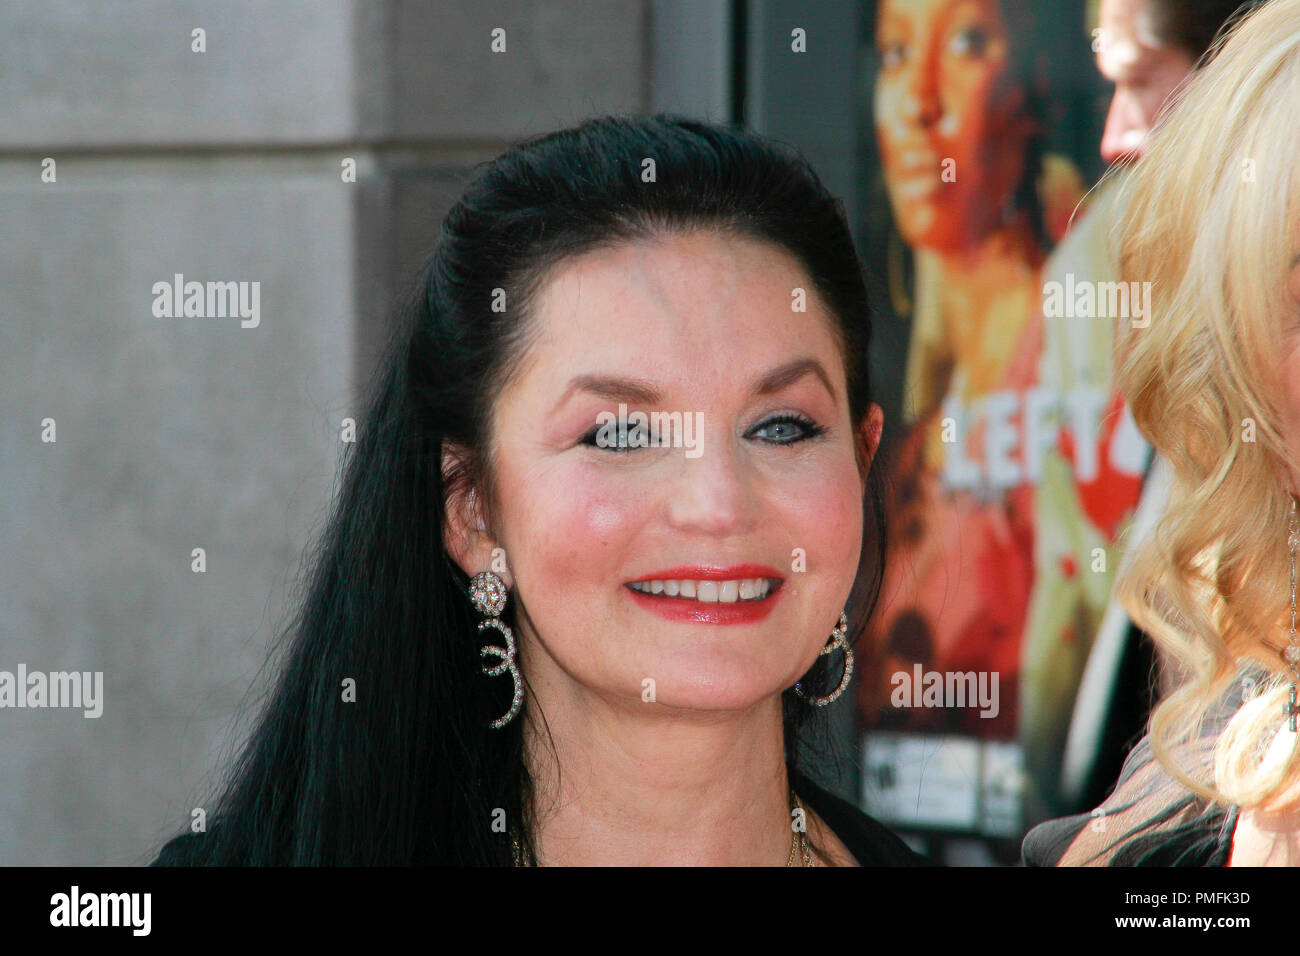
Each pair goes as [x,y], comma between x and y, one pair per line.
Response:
[487,593]
[838,638]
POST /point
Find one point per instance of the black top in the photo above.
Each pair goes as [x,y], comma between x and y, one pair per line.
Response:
[871,843]
[1205,841]
[1150,818]
[1186,831]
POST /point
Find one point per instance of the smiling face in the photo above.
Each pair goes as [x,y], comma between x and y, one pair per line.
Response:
[946,102]
[701,325]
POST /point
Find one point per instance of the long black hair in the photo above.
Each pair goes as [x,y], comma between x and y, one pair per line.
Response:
[409,771]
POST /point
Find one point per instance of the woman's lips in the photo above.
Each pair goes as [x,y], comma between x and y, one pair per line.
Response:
[739,594]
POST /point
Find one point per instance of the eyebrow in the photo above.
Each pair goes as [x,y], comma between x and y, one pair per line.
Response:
[633,391]
[786,375]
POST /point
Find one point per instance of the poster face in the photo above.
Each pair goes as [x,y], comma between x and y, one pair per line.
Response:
[1014,465]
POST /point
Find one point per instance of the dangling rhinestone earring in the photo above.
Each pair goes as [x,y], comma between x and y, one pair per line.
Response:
[838,639]
[1292,652]
[487,592]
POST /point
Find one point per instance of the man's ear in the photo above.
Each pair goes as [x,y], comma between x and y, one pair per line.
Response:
[466,536]
[868,437]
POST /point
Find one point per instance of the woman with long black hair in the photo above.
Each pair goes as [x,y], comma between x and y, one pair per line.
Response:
[609,520]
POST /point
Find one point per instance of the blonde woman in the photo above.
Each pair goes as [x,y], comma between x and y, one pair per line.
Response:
[1212,220]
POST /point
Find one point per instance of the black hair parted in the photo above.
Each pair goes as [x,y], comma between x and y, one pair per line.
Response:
[410,771]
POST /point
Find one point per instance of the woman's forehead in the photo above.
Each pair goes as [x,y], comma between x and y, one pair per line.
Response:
[717,307]
[688,286]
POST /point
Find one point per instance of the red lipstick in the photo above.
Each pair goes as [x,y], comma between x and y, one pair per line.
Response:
[712,572]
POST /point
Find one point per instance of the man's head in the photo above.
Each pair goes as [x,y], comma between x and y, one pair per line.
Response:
[1147,48]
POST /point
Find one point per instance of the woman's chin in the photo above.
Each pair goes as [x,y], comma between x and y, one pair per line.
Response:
[713,692]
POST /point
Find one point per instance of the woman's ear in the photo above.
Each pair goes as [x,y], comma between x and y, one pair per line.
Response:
[465,536]
[873,424]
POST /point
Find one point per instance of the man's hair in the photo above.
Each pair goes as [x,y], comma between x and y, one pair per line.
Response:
[1192,25]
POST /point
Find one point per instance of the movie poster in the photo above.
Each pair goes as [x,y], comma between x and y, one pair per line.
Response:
[1013,464]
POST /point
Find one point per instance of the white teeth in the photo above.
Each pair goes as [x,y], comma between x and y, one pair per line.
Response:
[711,592]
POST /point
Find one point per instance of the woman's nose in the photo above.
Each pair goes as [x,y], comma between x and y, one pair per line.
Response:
[921,103]
[715,493]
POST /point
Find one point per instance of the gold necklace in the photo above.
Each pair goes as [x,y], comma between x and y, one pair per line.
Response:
[799,849]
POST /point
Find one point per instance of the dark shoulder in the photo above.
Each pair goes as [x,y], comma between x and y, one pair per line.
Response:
[184,850]
[870,842]
[1150,819]
[1045,844]
[1184,834]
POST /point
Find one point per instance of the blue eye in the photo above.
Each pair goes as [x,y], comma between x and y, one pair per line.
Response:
[788,429]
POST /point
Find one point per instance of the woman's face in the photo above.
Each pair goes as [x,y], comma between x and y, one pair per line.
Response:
[700,325]
[948,119]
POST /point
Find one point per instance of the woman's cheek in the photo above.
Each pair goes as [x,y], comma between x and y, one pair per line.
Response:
[844,515]
[827,523]
[579,518]
[963,130]
[889,119]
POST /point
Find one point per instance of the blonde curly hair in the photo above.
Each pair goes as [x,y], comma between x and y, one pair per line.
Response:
[1210,220]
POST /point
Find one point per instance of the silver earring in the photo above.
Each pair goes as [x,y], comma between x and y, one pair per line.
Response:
[838,638]
[487,592]
[1292,652]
